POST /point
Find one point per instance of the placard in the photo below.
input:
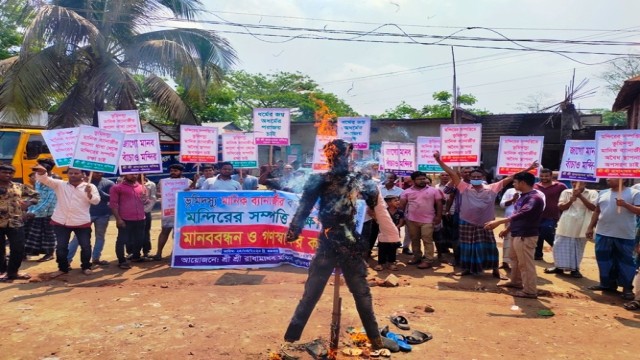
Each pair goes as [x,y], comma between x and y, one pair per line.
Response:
[460,144]
[240,150]
[578,161]
[516,153]
[97,150]
[618,153]
[141,154]
[426,146]
[271,126]
[355,130]
[61,144]
[319,159]
[169,189]
[399,158]
[198,144]
[124,121]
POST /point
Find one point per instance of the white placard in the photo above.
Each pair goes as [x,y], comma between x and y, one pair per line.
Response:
[399,158]
[61,144]
[425,147]
[516,153]
[97,150]
[618,154]
[168,190]
[141,154]
[271,126]
[355,130]
[319,159]
[198,144]
[460,144]
[240,149]
[124,121]
[578,161]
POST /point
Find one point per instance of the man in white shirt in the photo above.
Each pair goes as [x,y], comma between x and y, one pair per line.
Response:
[71,214]
[223,181]
[389,187]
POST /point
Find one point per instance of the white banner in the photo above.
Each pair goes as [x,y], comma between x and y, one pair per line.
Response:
[168,191]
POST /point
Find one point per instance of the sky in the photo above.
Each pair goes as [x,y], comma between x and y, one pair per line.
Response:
[373,77]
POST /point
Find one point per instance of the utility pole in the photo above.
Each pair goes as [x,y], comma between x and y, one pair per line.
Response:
[455,89]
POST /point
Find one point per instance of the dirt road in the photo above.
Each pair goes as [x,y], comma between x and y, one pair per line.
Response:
[155,312]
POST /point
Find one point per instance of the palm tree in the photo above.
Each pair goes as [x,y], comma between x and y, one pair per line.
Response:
[84,54]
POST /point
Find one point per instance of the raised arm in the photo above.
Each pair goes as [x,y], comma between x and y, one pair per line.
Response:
[455,178]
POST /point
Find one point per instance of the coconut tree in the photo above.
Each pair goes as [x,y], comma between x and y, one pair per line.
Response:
[83,54]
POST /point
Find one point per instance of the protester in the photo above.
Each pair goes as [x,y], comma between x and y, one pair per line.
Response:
[167,222]
[12,196]
[339,245]
[508,202]
[148,207]
[127,203]
[452,206]
[223,181]
[615,217]
[577,205]
[100,215]
[40,238]
[387,247]
[71,215]
[208,172]
[477,245]
[551,190]
[246,180]
[278,178]
[524,226]
[423,211]
[389,186]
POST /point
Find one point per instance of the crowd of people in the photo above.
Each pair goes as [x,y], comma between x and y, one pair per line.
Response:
[452,221]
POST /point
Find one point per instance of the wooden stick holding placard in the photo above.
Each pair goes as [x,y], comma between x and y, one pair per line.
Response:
[620,194]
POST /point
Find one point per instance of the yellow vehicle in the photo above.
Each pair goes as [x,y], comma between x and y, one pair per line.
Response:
[22,148]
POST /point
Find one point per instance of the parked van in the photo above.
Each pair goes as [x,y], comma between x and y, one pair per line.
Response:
[22,148]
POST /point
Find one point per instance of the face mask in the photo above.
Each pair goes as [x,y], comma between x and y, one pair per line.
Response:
[476,182]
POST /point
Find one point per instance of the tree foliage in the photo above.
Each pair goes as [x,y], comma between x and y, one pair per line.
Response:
[611,118]
[241,92]
[620,70]
[86,54]
[14,19]
[441,109]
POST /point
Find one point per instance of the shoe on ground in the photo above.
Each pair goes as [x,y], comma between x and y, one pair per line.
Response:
[48,257]
[553,270]
[385,343]
[414,262]
[99,262]
[87,271]
[576,274]
[124,265]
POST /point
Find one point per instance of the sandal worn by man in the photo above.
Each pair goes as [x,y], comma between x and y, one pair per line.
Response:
[511,285]
[393,267]
[378,268]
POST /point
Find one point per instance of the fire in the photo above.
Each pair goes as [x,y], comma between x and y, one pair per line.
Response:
[325,118]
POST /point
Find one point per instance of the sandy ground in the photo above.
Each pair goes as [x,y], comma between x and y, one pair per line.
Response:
[155,312]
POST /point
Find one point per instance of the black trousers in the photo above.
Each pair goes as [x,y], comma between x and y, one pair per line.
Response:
[63,234]
[131,236]
[15,236]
